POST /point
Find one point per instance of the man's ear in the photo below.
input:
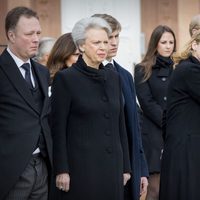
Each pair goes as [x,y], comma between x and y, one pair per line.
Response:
[11,36]
[194,30]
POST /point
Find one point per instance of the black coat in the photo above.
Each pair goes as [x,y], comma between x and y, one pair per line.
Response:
[151,95]
[20,120]
[90,141]
[180,172]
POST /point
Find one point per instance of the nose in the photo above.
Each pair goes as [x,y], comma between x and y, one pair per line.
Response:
[169,45]
[36,37]
[103,46]
[113,41]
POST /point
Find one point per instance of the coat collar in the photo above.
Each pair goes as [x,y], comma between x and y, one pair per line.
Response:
[14,75]
[164,66]
[98,74]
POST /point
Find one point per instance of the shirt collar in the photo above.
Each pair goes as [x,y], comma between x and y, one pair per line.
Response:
[105,62]
[17,60]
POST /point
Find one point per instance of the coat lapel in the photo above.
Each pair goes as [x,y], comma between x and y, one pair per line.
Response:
[14,75]
[123,78]
[43,84]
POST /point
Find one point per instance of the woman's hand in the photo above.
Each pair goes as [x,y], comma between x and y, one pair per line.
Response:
[63,182]
[126,176]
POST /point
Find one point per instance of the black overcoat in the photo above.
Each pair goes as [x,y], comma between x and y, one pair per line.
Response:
[90,140]
[180,172]
[20,120]
[151,95]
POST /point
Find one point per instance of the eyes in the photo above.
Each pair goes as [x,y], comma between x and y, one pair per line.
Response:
[96,43]
[76,54]
[166,42]
[38,33]
[114,36]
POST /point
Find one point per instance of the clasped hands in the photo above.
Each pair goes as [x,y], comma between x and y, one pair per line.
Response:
[63,181]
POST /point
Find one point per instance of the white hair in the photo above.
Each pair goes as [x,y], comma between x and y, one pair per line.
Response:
[45,46]
[81,27]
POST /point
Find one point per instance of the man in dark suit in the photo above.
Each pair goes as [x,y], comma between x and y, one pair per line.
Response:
[138,183]
[25,139]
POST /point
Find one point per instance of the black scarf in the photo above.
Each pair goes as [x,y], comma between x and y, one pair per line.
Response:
[163,61]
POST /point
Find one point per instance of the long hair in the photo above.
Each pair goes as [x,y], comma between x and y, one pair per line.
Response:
[150,57]
[187,50]
[63,48]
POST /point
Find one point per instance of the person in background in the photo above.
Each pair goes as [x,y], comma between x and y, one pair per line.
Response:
[152,77]
[25,138]
[181,159]
[91,158]
[64,53]
[138,183]
[194,25]
[44,49]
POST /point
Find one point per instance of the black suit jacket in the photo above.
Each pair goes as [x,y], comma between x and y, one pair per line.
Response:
[20,120]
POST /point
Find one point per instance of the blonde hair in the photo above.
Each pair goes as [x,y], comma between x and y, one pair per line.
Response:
[187,50]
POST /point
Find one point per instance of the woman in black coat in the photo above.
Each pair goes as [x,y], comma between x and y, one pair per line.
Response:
[91,159]
[151,79]
[180,172]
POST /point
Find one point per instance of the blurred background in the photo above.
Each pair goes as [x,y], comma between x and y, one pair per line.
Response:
[138,19]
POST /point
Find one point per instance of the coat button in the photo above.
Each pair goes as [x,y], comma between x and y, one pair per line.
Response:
[165,98]
[164,79]
[106,115]
[109,150]
[108,133]
[104,98]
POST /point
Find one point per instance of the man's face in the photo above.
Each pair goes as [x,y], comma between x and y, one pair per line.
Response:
[24,39]
[113,44]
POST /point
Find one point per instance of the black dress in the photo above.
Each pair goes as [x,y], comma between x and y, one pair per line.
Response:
[151,95]
[90,141]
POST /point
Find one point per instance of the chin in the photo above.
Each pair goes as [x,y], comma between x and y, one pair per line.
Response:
[33,54]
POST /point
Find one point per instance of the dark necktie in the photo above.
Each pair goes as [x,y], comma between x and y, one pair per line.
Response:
[109,66]
[26,67]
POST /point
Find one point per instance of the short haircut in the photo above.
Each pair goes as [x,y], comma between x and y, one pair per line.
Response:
[194,24]
[80,28]
[14,15]
[45,46]
[113,22]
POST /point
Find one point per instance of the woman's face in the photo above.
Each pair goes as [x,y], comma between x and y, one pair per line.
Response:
[166,44]
[95,48]
[72,58]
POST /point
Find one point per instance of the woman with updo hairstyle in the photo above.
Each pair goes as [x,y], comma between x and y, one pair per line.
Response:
[90,151]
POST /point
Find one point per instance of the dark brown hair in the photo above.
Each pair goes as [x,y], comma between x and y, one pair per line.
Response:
[150,57]
[63,48]
[14,15]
